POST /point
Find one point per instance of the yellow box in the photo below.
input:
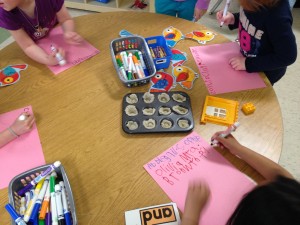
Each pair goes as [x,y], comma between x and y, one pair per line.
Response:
[220,111]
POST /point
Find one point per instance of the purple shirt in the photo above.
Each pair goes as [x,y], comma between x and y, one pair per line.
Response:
[44,16]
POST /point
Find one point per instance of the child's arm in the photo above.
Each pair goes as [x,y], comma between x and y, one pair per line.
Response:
[68,26]
[31,49]
[18,128]
[196,198]
[266,167]
[200,9]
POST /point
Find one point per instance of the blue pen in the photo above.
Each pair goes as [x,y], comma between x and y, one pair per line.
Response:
[39,178]
[14,215]
[67,213]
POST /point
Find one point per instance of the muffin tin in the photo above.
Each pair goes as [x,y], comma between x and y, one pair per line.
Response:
[147,112]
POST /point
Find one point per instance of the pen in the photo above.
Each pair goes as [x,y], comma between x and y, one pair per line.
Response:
[229,130]
[225,11]
[14,215]
[39,178]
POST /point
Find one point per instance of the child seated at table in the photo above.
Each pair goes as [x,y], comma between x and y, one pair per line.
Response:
[275,202]
[30,20]
[21,125]
[267,41]
[186,9]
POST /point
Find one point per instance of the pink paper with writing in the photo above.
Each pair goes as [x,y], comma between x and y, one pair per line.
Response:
[21,154]
[193,158]
[218,75]
[75,54]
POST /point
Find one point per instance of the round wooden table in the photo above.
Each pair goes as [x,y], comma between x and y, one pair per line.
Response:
[78,115]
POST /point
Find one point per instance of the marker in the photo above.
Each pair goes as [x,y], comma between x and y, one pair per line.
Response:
[31,204]
[22,117]
[53,201]
[130,65]
[48,217]
[138,67]
[61,61]
[139,56]
[225,11]
[39,200]
[124,59]
[121,69]
[229,130]
[14,215]
[39,178]
[59,205]
[67,213]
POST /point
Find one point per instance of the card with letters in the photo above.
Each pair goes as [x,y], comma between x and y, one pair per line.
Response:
[164,214]
[21,154]
[75,54]
[216,72]
[192,158]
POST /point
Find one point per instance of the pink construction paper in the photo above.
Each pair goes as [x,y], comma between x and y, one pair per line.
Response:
[193,158]
[75,54]
[218,75]
[21,154]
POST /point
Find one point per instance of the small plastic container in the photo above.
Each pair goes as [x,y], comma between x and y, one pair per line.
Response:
[157,43]
[15,185]
[133,44]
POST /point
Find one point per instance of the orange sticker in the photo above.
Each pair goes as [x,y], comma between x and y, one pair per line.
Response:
[158,215]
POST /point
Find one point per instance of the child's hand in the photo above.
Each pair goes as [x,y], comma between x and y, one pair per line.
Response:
[22,126]
[72,38]
[238,63]
[228,19]
[229,142]
[53,61]
[197,196]
[198,13]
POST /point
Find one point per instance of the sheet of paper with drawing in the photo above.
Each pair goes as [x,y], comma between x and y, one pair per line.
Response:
[193,158]
[218,75]
[75,54]
[21,154]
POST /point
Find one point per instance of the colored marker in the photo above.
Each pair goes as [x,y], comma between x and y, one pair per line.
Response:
[39,178]
[39,199]
[31,204]
[67,213]
[138,67]
[59,205]
[225,11]
[41,222]
[48,219]
[141,59]
[60,59]
[121,69]
[229,130]
[14,215]
[53,201]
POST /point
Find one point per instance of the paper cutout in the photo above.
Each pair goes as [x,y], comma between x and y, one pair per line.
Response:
[193,158]
[218,75]
[185,76]
[172,36]
[11,74]
[75,54]
[178,57]
[201,36]
[21,154]
[162,82]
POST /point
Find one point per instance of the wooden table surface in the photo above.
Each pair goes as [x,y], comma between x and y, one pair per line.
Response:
[78,115]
